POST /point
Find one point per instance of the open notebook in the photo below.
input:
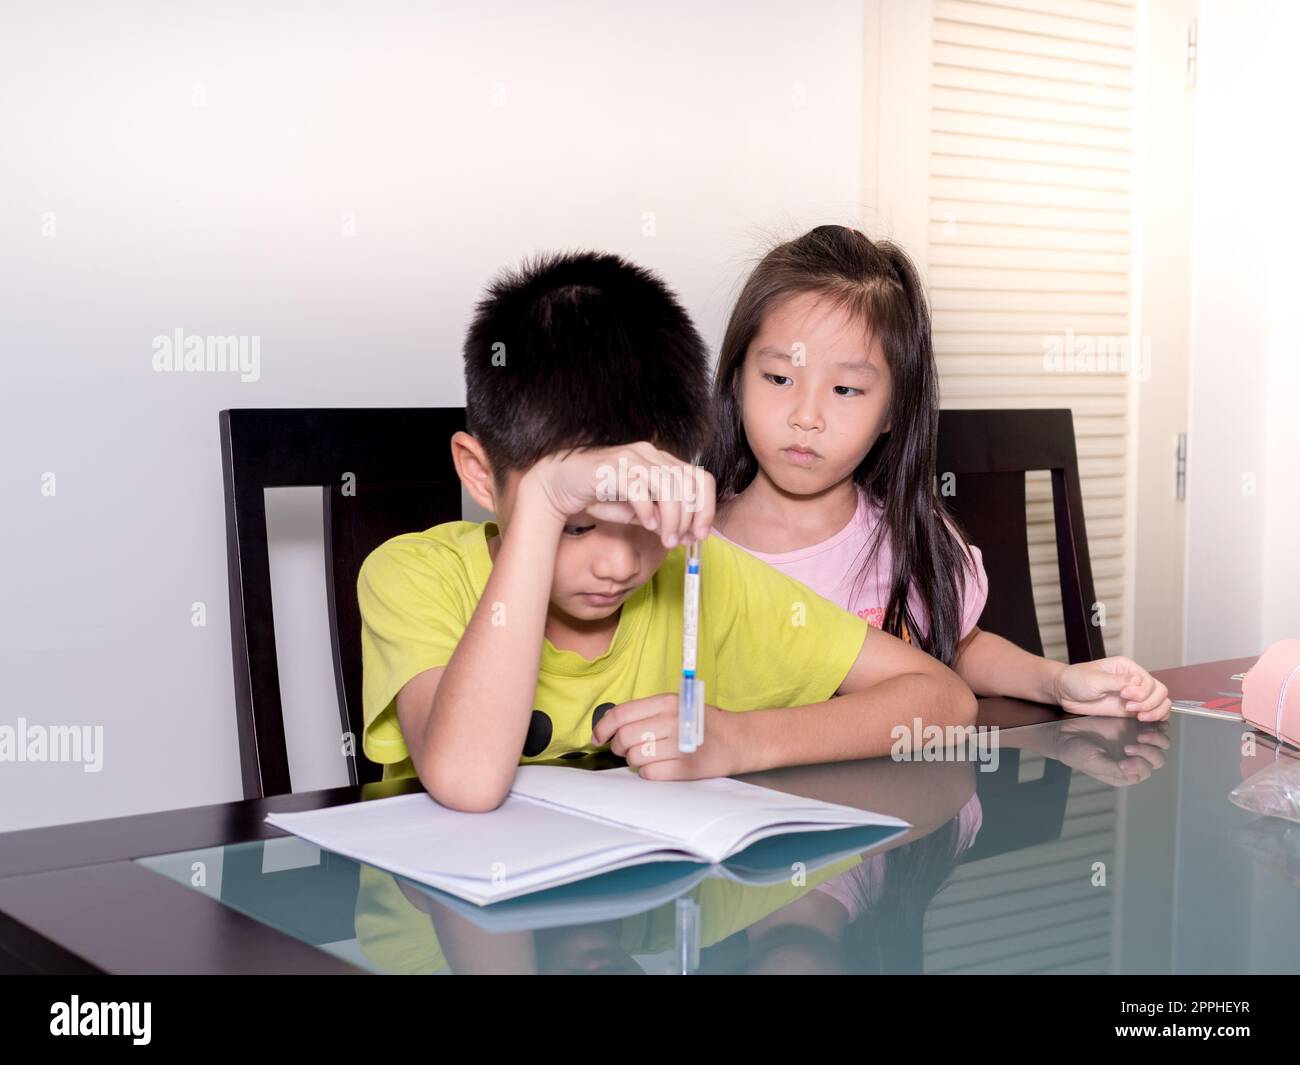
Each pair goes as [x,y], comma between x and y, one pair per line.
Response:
[560,825]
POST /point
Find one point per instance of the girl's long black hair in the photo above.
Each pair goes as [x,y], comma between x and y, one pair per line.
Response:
[876,282]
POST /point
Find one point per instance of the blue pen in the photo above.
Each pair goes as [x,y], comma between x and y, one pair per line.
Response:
[690,702]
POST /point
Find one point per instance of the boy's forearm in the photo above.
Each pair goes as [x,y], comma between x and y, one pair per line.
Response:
[481,712]
[994,666]
[849,726]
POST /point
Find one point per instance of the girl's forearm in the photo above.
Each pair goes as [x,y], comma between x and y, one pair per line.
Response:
[994,666]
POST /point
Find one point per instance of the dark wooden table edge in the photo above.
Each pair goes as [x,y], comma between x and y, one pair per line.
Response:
[53,923]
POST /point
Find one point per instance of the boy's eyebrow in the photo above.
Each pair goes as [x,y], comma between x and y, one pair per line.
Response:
[860,366]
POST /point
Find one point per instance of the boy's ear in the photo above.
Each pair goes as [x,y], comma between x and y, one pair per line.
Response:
[474,470]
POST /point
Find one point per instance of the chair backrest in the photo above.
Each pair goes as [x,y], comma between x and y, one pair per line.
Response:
[988,453]
[382,472]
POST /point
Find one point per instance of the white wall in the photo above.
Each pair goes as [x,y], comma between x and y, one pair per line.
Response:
[171,165]
[1243,569]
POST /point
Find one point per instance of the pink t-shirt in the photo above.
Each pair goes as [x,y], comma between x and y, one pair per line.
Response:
[830,569]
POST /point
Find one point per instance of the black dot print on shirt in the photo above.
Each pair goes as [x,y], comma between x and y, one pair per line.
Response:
[539,734]
[599,712]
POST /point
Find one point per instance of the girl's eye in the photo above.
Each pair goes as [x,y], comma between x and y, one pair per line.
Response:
[848,390]
[775,378]
[577,530]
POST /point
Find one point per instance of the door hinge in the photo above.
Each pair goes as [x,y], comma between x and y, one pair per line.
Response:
[1191,54]
[1180,468]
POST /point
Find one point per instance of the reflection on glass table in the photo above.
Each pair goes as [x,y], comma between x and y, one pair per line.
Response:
[1087,845]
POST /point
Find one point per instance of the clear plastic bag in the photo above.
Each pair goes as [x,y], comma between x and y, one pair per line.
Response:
[1273,791]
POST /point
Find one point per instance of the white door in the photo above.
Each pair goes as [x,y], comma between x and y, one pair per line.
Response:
[1034,158]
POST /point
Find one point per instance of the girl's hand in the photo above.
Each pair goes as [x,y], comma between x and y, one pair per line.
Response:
[644,731]
[1112,687]
[633,483]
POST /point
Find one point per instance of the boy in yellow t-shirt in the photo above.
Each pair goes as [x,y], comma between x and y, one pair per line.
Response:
[555,631]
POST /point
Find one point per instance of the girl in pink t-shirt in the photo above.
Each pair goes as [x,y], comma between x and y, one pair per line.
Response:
[833,568]
[827,403]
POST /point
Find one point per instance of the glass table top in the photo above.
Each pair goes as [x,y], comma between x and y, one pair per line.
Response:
[1087,845]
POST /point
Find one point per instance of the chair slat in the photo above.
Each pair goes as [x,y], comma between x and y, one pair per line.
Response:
[382,472]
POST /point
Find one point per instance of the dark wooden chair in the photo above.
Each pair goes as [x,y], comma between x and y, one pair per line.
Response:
[989,452]
[382,472]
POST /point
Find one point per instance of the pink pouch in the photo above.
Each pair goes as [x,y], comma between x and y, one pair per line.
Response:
[1270,692]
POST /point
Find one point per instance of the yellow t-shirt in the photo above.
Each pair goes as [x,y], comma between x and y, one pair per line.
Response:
[765,639]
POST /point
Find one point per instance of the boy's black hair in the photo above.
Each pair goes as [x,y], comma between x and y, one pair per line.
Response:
[583,349]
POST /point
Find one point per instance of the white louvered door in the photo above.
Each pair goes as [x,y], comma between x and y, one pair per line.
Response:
[1004,161]
[1029,223]
[1028,233]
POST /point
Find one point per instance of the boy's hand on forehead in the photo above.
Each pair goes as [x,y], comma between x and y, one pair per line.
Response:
[628,484]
